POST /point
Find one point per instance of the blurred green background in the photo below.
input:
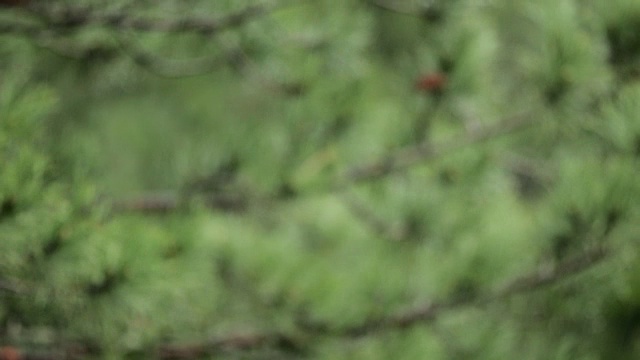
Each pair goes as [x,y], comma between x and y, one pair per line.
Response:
[373,179]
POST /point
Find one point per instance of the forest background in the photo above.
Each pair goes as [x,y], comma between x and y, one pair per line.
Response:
[327,179]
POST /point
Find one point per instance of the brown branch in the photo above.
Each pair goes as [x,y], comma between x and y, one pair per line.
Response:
[178,68]
[71,18]
[537,279]
[54,21]
[226,344]
[286,343]
[235,342]
[231,343]
[68,18]
[163,203]
[401,160]
[550,274]
[410,156]
[74,18]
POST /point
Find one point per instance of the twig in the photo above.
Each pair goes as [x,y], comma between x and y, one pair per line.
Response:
[177,68]
[236,342]
[394,8]
[423,152]
[163,203]
[400,160]
[287,343]
[544,276]
[549,274]
[70,18]
[377,224]
[73,18]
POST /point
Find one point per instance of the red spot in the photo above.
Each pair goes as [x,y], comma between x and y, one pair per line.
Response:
[9,353]
[433,82]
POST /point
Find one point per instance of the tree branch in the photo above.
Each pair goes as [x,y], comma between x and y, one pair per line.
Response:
[179,68]
[544,276]
[413,155]
[163,203]
[377,224]
[398,161]
[230,343]
[236,342]
[286,343]
[75,18]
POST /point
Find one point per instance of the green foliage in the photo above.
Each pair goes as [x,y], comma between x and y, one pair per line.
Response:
[282,189]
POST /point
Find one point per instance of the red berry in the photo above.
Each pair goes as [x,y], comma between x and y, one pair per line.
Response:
[431,82]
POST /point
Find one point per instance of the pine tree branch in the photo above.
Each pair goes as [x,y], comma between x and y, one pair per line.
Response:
[550,273]
[544,276]
[74,18]
[68,18]
[410,156]
[163,203]
[54,22]
[537,279]
[179,68]
[232,343]
[398,161]
[235,342]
